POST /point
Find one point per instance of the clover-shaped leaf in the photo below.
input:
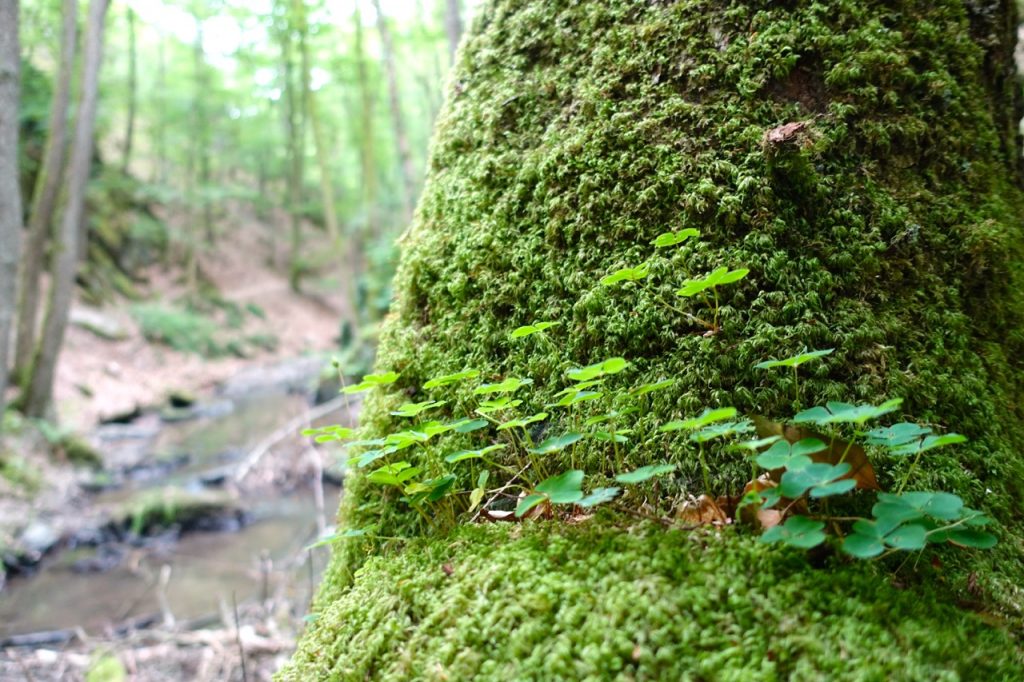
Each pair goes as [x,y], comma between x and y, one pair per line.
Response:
[565,488]
[821,479]
[796,360]
[845,413]
[928,443]
[557,443]
[529,329]
[523,421]
[600,369]
[372,381]
[645,473]
[627,275]
[498,404]
[797,531]
[510,385]
[414,409]
[469,425]
[706,418]
[673,238]
[452,378]
[472,454]
[599,496]
[721,275]
[651,387]
[785,455]
[721,430]
[897,434]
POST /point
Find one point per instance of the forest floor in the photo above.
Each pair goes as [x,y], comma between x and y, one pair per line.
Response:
[101,378]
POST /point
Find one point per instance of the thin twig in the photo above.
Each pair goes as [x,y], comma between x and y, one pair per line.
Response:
[238,638]
[500,490]
[264,446]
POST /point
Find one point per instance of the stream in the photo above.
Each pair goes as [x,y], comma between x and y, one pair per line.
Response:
[251,547]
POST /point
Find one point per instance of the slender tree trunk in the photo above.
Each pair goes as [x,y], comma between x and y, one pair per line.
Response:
[159,131]
[10,191]
[203,138]
[129,132]
[295,134]
[452,26]
[401,139]
[44,365]
[431,76]
[319,143]
[368,148]
[45,195]
[193,163]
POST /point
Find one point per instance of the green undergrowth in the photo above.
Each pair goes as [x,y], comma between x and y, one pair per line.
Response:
[211,330]
[861,164]
[599,602]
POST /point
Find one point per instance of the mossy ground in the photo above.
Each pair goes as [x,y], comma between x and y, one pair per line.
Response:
[889,229]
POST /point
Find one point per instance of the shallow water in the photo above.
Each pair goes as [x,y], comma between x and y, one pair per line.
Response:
[206,569]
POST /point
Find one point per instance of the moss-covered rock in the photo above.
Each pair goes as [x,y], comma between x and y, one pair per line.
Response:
[80,452]
[599,603]
[885,222]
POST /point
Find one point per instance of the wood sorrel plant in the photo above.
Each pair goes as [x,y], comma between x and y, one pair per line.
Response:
[822,453]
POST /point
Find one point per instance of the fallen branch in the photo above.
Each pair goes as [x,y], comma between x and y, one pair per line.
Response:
[265,445]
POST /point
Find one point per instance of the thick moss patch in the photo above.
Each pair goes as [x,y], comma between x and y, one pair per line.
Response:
[888,227]
[554,603]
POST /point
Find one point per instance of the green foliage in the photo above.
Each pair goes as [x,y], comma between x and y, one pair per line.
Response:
[179,328]
[531,329]
[627,275]
[372,381]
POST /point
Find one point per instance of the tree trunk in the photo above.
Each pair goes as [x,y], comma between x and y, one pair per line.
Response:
[159,131]
[452,26]
[367,135]
[129,132]
[319,143]
[408,174]
[295,133]
[861,160]
[10,191]
[46,193]
[44,365]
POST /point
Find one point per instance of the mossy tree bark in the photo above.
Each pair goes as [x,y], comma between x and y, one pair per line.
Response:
[884,222]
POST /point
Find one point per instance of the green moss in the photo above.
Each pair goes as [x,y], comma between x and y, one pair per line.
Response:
[890,229]
[79,452]
[598,603]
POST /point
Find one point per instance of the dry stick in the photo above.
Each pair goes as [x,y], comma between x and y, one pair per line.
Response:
[238,638]
[318,491]
[264,446]
[498,493]
[161,596]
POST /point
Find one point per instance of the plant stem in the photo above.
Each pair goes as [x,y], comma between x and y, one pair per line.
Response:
[715,291]
[910,470]
[846,452]
[705,470]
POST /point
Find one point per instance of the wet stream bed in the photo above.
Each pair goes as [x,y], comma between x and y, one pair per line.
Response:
[248,543]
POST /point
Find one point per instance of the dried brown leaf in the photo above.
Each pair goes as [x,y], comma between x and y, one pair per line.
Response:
[702,511]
